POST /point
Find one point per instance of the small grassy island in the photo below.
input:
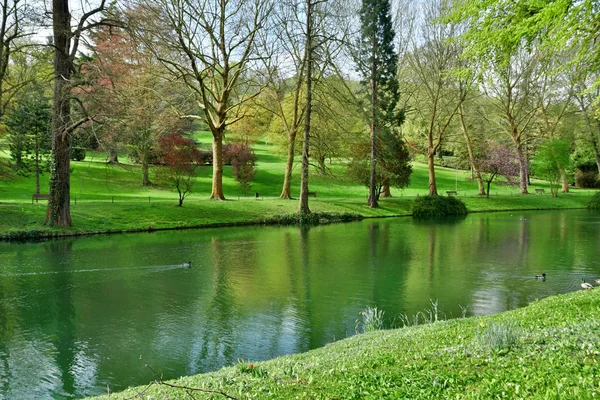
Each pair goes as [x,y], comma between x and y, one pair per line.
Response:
[549,349]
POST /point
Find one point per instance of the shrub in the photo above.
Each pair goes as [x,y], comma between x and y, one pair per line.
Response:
[243,161]
[77,154]
[594,203]
[205,158]
[586,179]
[437,206]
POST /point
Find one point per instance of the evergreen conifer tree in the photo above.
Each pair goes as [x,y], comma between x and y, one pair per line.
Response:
[377,63]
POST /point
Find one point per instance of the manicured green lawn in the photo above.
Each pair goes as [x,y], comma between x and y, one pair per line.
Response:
[110,198]
[547,350]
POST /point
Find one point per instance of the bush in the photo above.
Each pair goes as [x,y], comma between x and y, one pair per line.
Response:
[437,206]
[205,158]
[594,203]
[77,154]
[587,179]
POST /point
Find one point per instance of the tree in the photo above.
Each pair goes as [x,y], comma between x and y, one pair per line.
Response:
[130,98]
[584,94]
[336,123]
[286,70]
[180,158]
[392,160]
[243,162]
[429,87]
[497,160]
[550,162]
[67,37]
[510,85]
[377,63]
[557,24]
[511,35]
[28,125]
[16,17]
[211,45]
[309,53]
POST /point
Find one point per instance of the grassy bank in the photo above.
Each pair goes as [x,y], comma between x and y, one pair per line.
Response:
[110,198]
[549,349]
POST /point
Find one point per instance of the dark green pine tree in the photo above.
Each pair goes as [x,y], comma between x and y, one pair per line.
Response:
[377,63]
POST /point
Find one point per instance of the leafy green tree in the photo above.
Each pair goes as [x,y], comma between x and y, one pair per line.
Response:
[392,160]
[558,24]
[28,125]
[211,45]
[552,161]
[377,63]
[66,40]
[430,88]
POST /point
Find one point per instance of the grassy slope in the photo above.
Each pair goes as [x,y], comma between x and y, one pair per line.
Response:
[555,354]
[110,198]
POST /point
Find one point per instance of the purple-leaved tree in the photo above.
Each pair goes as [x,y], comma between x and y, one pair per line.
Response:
[497,160]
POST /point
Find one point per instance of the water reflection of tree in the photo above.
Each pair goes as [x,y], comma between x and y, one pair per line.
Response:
[219,324]
[63,310]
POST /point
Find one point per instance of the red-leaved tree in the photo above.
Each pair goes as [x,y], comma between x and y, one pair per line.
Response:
[243,162]
[497,160]
[180,157]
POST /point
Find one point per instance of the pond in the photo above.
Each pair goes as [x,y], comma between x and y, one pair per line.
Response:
[76,315]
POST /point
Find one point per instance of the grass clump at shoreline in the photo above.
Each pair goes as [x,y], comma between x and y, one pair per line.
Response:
[594,202]
[549,349]
[312,219]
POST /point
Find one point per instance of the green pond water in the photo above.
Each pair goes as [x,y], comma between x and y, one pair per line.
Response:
[77,314]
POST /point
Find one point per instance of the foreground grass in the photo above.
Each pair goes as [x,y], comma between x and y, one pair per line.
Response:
[549,349]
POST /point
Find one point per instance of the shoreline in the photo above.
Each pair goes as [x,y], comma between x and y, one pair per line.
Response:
[527,352]
[43,233]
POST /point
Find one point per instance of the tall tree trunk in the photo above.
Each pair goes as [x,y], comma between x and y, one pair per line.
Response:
[37,163]
[112,154]
[145,171]
[372,201]
[474,169]
[564,180]
[286,191]
[58,212]
[431,165]
[217,181]
[385,191]
[303,203]
[523,168]
[595,139]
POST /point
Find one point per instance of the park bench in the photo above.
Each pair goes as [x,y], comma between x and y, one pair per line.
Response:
[539,191]
[451,192]
[313,194]
[39,196]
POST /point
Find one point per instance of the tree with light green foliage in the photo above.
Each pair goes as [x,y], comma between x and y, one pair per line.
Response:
[551,162]
[557,24]
[501,29]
